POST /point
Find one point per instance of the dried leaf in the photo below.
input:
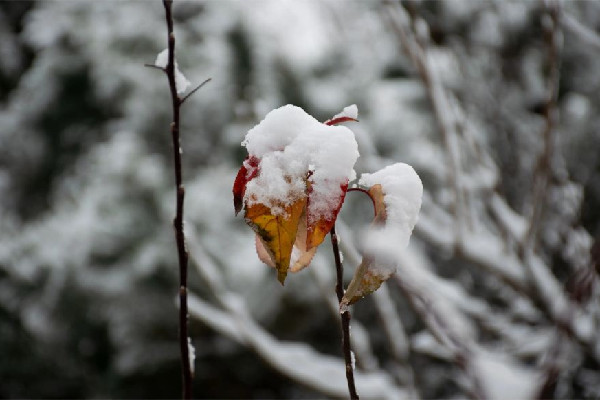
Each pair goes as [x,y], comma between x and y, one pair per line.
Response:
[376,194]
[263,253]
[277,232]
[288,240]
[367,278]
[301,258]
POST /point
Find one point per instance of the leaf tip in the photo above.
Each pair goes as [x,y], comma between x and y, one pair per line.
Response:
[281,275]
[238,204]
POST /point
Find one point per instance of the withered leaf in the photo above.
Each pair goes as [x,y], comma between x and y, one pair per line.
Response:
[277,232]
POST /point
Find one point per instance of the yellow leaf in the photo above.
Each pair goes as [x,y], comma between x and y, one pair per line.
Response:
[317,232]
[277,232]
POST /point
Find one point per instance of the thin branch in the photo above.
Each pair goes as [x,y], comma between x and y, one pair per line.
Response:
[178,221]
[194,91]
[154,66]
[544,168]
[339,290]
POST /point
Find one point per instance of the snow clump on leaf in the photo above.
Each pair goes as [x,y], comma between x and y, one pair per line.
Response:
[397,193]
[293,183]
[290,144]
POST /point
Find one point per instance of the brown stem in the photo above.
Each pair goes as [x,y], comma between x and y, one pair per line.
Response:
[339,289]
[178,221]
[543,171]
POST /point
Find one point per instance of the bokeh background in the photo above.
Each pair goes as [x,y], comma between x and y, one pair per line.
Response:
[495,104]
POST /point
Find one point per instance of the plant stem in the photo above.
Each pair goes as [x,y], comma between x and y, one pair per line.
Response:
[178,221]
[339,289]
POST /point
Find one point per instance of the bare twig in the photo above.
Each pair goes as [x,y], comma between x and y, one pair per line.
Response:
[543,170]
[187,96]
[154,66]
[178,221]
[339,289]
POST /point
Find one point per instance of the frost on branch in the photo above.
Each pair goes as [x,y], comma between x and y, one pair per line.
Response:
[293,183]
[397,192]
[181,82]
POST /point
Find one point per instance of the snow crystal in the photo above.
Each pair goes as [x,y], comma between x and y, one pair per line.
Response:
[350,112]
[181,82]
[289,142]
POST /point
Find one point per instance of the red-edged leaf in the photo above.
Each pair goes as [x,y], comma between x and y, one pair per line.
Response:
[247,172]
[339,120]
[317,229]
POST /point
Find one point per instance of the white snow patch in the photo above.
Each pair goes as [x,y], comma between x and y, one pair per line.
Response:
[403,194]
[162,59]
[350,112]
[192,353]
[181,82]
[504,379]
[289,142]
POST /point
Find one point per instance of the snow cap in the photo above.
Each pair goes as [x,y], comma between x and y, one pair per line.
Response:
[403,193]
[289,143]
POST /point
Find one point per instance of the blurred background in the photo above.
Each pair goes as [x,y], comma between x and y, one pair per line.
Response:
[494,103]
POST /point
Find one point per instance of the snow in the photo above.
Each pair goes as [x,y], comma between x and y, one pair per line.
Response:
[104,226]
[403,193]
[162,59]
[192,353]
[181,82]
[288,142]
[503,378]
[349,112]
